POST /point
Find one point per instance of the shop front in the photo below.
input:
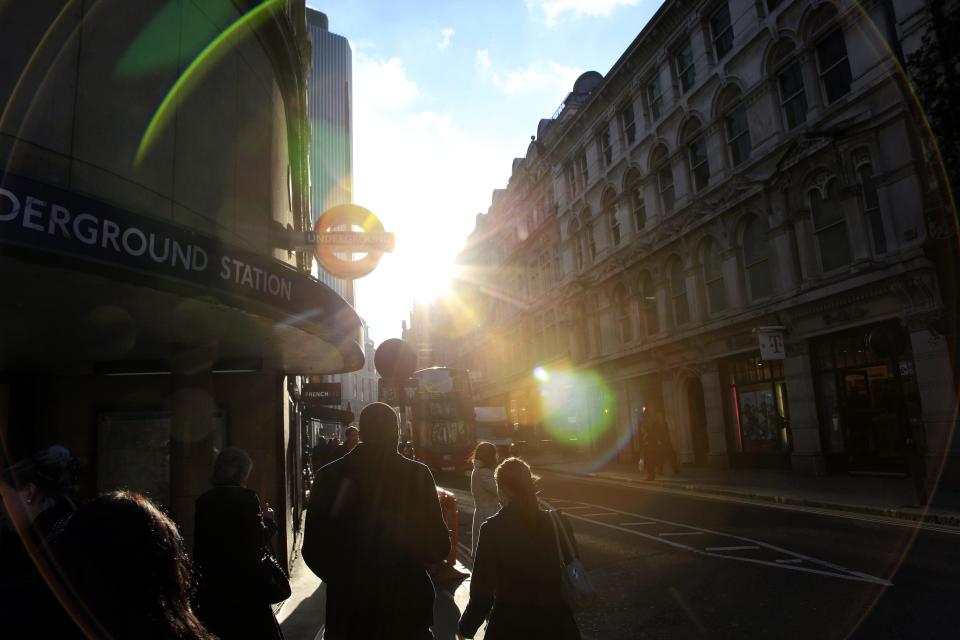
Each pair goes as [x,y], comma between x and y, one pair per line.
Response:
[757,412]
[868,402]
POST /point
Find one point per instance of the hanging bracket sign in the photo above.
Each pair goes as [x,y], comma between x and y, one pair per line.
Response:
[334,241]
[771,343]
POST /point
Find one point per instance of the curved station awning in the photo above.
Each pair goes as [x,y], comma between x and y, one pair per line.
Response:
[87,287]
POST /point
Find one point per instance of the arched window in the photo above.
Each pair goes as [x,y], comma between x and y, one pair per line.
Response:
[622,309]
[830,226]
[613,220]
[793,96]
[576,243]
[638,206]
[756,259]
[871,207]
[713,277]
[648,306]
[588,236]
[831,48]
[661,163]
[696,142]
[678,291]
[735,125]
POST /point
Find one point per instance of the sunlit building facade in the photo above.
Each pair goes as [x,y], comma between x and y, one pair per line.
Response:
[153,312]
[749,175]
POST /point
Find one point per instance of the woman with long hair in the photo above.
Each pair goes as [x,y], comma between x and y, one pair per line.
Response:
[517,565]
[37,500]
[229,538]
[128,572]
[483,487]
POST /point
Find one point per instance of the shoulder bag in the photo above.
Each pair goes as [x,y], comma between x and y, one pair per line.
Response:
[578,590]
[274,584]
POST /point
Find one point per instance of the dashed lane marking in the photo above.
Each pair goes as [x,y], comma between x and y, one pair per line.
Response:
[819,567]
[591,515]
[637,524]
[682,533]
[747,547]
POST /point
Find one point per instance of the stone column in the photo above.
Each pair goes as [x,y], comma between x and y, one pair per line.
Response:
[934,371]
[713,390]
[696,296]
[803,227]
[733,279]
[801,398]
[786,268]
[651,198]
[811,85]
[682,188]
[719,159]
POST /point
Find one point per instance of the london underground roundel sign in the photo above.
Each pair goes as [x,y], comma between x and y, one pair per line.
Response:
[372,240]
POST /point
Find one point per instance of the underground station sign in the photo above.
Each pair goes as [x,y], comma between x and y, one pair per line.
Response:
[334,241]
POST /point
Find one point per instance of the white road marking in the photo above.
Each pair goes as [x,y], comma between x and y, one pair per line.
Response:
[749,547]
[571,508]
[693,494]
[591,515]
[637,524]
[682,533]
[829,568]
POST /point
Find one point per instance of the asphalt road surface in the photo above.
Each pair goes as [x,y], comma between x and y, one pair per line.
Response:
[673,565]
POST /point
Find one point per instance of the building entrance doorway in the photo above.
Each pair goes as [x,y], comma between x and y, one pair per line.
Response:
[698,422]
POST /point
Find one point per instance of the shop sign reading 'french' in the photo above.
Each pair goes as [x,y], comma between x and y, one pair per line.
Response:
[37,216]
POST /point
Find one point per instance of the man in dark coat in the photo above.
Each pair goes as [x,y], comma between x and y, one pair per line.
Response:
[373,524]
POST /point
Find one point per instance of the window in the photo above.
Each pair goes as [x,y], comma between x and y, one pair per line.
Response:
[622,309]
[830,227]
[871,207]
[678,290]
[699,166]
[603,142]
[834,66]
[610,212]
[721,29]
[576,240]
[665,181]
[793,98]
[655,97]
[758,396]
[713,277]
[738,134]
[583,175]
[639,206]
[756,260]
[628,122]
[685,69]
[591,239]
[569,180]
[648,305]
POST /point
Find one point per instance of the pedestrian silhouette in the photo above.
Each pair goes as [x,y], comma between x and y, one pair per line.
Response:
[230,534]
[37,503]
[373,524]
[517,566]
[129,574]
[483,487]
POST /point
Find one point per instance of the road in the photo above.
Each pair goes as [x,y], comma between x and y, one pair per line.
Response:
[671,565]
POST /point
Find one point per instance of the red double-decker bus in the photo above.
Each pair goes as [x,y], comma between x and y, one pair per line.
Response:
[442,421]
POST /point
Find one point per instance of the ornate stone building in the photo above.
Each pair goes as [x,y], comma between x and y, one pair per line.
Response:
[748,171]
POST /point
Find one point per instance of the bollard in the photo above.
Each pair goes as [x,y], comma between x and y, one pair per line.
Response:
[448,506]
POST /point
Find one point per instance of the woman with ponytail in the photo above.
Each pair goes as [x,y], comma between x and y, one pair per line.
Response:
[516,570]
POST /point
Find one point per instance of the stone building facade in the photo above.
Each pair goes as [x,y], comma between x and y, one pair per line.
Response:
[747,171]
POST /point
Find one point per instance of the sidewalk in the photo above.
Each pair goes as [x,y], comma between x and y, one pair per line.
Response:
[878,496]
[301,616]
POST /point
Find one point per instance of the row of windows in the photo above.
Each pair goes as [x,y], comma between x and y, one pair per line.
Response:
[832,67]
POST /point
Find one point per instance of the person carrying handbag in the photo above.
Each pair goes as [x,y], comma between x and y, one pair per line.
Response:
[516,578]
[237,575]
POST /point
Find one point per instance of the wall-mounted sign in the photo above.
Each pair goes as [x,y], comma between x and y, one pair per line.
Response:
[329,242]
[321,394]
[771,343]
[45,220]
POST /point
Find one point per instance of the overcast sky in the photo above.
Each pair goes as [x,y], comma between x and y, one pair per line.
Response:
[445,96]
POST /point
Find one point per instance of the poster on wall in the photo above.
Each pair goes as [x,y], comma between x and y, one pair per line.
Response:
[758,420]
